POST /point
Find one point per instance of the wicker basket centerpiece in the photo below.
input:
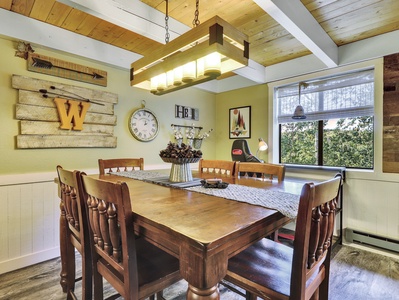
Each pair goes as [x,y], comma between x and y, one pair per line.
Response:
[180,156]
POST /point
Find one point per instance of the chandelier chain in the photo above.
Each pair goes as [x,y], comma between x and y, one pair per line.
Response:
[167,35]
[196,20]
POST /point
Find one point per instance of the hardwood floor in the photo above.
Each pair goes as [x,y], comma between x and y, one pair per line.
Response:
[355,275]
[358,274]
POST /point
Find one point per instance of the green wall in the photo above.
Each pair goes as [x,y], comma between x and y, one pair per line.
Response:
[19,161]
[257,98]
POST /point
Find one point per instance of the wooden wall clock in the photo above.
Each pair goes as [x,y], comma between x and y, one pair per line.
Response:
[144,124]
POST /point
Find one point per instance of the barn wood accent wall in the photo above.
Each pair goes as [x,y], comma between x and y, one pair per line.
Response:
[391,114]
[40,122]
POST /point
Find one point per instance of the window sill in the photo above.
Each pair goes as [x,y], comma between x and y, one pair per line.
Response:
[321,172]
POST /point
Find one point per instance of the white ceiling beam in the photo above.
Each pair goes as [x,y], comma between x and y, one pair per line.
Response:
[132,15]
[14,26]
[297,20]
[254,71]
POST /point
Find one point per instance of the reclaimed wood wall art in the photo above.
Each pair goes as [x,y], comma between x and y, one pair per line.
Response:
[40,120]
[52,66]
[390,163]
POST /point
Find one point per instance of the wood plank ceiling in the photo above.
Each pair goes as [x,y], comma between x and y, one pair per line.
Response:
[345,21]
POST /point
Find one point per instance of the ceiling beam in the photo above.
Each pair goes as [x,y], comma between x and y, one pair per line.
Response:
[132,15]
[297,20]
[254,71]
[14,26]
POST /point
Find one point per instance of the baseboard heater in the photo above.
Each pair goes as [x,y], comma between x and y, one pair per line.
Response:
[354,236]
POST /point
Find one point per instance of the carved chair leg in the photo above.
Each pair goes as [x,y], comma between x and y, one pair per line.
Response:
[324,289]
[98,285]
[71,268]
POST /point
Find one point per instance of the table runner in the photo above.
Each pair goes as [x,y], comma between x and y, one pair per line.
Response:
[284,202]
[157,178]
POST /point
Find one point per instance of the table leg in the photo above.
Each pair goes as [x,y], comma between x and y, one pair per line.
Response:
[203,269]
[194,293]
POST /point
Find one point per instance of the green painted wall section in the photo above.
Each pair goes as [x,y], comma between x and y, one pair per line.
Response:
[257,98]
[20,161]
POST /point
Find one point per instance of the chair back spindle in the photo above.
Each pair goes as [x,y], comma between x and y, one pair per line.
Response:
[266,171]
[120,165]
[220,168]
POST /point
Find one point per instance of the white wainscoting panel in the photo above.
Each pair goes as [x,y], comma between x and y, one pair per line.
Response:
[29,224]
[372,206]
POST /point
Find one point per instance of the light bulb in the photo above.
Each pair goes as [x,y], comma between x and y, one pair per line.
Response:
[189,72]
[212,64]
[177,75]
[169,77]
[154,84]
[161,82]
[200,67]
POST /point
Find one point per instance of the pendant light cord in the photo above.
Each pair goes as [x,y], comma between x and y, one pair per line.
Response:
[299,92]
[303,85]
[196,20]
[167,35]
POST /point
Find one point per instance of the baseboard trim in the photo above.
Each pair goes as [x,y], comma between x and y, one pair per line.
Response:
[28,260]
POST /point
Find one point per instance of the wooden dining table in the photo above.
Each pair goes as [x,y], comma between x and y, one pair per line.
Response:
[202,231]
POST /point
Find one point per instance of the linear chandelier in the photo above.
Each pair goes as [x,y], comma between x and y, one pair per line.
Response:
[205,52]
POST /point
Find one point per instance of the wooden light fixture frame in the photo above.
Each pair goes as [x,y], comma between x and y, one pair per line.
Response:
[214,35]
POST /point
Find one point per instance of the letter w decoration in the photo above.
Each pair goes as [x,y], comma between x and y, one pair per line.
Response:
[76,113]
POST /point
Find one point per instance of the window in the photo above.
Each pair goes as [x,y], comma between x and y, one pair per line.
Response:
[338,129]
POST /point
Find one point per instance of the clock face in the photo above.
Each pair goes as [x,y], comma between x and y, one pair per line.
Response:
[143,125]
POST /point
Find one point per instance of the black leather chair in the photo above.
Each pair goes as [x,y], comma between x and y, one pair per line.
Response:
[240,152]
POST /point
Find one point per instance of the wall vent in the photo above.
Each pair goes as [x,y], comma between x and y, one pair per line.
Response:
[354,236]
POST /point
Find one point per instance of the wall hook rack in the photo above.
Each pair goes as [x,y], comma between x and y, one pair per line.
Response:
[187,126]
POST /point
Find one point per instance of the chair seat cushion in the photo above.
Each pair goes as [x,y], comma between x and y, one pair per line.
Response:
[269,268]
[155,264]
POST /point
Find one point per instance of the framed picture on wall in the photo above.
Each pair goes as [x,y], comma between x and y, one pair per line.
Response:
[240,122]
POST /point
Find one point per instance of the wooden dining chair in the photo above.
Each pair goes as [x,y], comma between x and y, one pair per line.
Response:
[252,169]
[271,270]
[135,268]
[74,234]
[217,167]
[120,164]
[263,171]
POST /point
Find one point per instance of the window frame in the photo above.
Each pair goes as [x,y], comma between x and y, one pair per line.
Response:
[320,126]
